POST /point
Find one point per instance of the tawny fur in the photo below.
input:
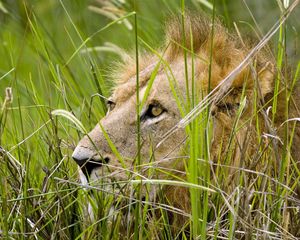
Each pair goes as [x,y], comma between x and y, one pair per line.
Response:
[227,53]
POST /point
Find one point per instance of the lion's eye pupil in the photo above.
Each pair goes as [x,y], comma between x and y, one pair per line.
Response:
[153,111]
[156,111]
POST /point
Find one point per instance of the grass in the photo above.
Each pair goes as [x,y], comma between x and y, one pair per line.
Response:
[50,73]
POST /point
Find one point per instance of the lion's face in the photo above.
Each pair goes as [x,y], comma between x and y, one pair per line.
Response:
[110,150]
[158,115]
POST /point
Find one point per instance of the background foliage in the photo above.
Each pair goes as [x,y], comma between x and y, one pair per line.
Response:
[44,62]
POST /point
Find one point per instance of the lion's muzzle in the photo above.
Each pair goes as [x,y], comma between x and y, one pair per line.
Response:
[87,160]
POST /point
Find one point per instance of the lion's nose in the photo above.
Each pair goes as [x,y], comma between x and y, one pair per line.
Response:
[81,155]
[88,159]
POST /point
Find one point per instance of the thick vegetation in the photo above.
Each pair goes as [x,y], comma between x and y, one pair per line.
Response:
[55,55]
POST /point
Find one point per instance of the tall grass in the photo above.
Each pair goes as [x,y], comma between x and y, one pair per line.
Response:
[50,62]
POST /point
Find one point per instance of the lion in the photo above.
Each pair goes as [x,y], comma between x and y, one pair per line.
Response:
[244,133]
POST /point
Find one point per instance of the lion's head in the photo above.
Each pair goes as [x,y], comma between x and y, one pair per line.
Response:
[169,80]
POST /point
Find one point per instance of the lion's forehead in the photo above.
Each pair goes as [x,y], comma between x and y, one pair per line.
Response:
[160,80]
[173,72]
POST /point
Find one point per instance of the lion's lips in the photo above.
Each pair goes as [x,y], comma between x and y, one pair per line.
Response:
[89,159]
[89,166]
[86,159]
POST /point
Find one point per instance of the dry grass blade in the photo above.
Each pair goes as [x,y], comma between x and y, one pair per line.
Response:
[173,183]
[71,117]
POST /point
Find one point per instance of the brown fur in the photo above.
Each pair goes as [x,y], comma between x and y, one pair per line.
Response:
[227,53]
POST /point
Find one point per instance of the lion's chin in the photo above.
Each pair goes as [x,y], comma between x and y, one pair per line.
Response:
[116,183]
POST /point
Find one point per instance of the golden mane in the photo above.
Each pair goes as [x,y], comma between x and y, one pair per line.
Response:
[206,41]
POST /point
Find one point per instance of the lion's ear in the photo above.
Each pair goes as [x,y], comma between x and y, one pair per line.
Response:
[266,78]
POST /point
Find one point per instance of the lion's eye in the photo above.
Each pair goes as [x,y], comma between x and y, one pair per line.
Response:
[154,110]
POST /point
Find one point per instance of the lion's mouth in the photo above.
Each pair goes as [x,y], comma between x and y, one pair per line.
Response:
[114,182]
[88,167]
